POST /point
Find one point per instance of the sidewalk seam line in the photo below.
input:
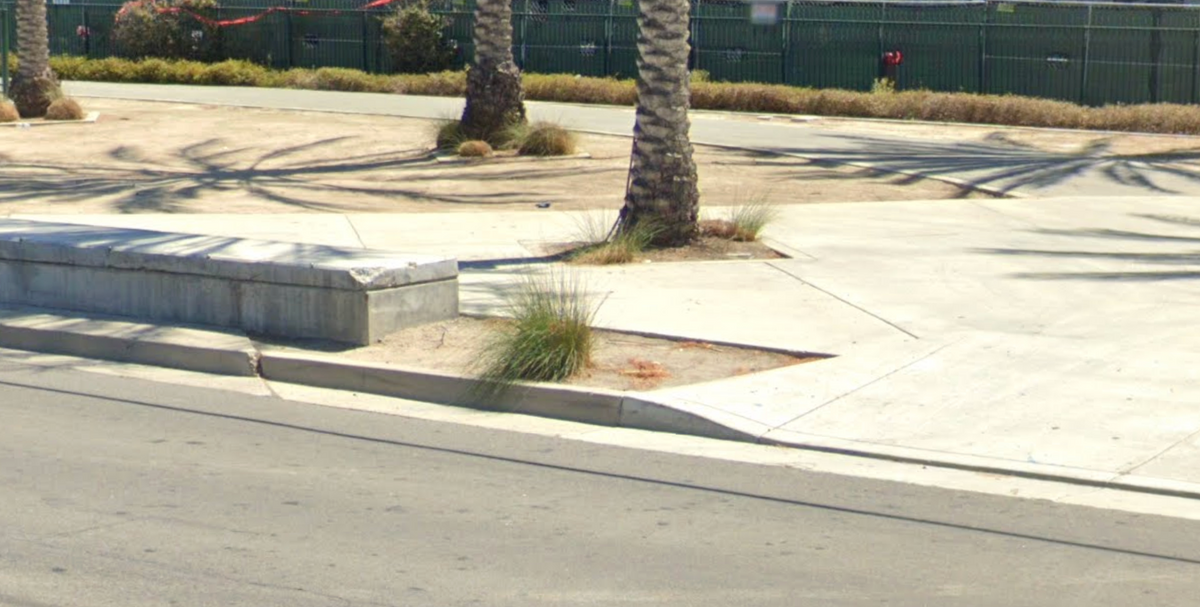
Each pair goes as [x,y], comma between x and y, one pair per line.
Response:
[354,229]
[1131,469]
[856,389]
[855,306]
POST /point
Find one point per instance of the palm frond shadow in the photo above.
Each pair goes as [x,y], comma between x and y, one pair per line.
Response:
[278,176]
[1160,266]
[1007,167]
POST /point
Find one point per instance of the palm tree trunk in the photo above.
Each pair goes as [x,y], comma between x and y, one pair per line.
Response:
[34,84]
[662,175]
[495,99]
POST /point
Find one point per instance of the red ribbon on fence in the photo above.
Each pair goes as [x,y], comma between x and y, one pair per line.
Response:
[240,20]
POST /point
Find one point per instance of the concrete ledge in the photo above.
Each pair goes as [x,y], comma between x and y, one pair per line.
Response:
[122,340]
[273,288]
[562,402]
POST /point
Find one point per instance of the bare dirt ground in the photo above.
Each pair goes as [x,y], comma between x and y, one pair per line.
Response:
[144,157]
[621,361]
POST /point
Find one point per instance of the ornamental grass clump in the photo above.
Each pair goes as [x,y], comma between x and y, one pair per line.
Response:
[623,246]
[547,139]
[550,337]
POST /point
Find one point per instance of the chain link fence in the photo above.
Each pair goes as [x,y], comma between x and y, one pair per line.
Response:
[1083,52]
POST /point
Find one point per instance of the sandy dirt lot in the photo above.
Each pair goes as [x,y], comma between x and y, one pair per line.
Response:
[143,157]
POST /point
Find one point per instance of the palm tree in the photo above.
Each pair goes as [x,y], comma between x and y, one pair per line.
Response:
[34,85]
[495,99]
[662,175]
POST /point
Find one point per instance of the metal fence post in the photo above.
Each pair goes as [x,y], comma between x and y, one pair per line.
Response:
[694,25]
[879,35]
[1087,51]
[291,46]
[524,31]
[1196,67]
[983,36]
[1155,83]
[4,51]
[365,64]
[87,34]
[608,36]
[786,43]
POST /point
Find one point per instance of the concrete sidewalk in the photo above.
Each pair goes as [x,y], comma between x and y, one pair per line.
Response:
[997,167]
[1048,338]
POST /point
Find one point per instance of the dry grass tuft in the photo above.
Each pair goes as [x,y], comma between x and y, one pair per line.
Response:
[623,247]
[550,338]
[474,149]
[8,111]
[546,139]
[64,108]
[718,228]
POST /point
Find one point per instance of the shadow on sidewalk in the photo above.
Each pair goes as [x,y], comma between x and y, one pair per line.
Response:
[1171,265]
[1007,166]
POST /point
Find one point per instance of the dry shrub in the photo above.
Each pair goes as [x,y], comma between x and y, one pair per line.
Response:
[8,111]
[718,228]
[547,139]
[748,97]
[579,89]
[342,79]
[474,149]
[64,108]
[228,73]
[745,97]
[1161,118]
[441,84]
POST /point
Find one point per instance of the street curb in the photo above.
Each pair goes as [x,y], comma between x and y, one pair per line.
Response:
[125,341]
[984,465]
[585,405]
[634,410]
[642,411]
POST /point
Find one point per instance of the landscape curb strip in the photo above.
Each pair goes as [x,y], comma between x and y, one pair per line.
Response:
[90,118]
[585,405]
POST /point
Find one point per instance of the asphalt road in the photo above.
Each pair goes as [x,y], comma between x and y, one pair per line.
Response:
[129,493]
[998,166]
